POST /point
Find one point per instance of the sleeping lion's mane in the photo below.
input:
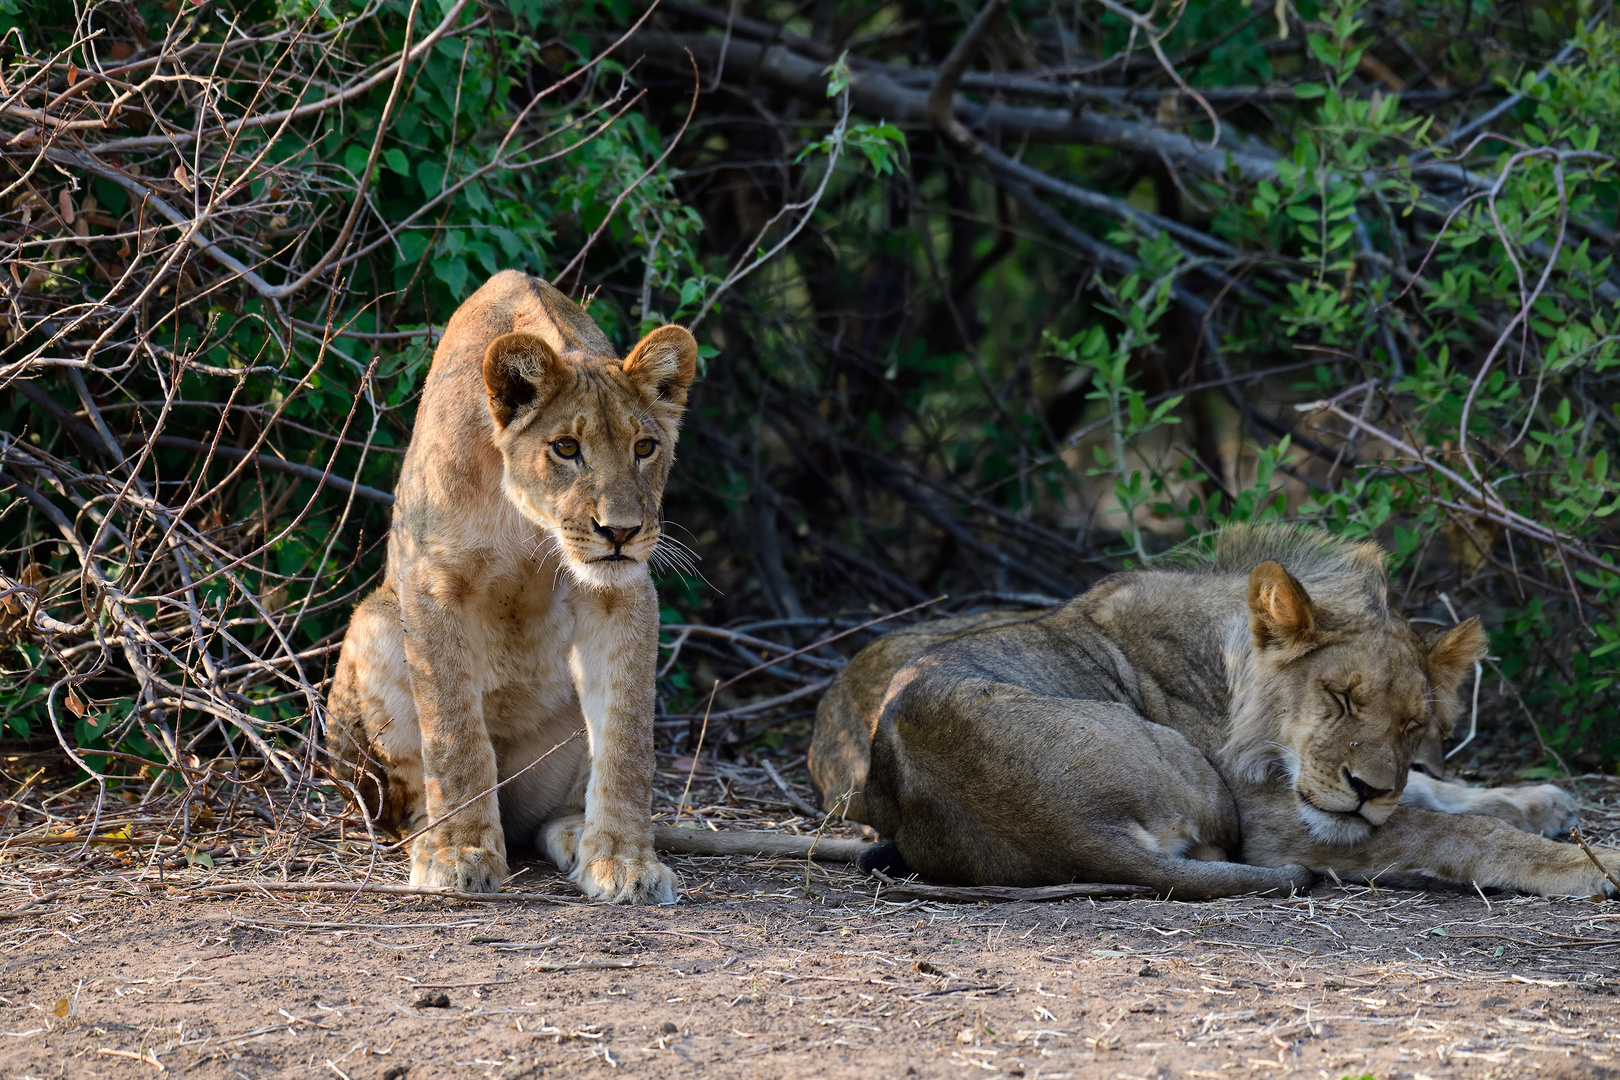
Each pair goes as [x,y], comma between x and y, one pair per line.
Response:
[1349,593]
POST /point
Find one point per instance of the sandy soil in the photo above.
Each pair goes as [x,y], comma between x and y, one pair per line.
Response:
[759,973]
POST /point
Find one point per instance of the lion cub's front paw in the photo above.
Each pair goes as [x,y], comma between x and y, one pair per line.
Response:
[478,868]
[605,867]
[627,879]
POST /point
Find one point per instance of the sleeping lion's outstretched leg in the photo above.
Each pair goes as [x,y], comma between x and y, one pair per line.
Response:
[1103,795]
[1538,808]
[1417,847]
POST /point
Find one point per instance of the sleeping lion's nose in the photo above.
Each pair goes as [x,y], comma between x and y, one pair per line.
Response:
[1364,791]
[615,535]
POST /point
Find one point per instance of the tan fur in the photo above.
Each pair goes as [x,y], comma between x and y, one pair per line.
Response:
[517,604]
[1266,710]
[841,743]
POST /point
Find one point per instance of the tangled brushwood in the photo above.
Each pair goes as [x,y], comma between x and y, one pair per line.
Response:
[217,236]
[993,300]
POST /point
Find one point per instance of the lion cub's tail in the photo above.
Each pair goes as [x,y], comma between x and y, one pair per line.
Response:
[745,842]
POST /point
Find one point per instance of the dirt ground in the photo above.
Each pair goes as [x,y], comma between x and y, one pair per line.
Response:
[749,976]
[125,966]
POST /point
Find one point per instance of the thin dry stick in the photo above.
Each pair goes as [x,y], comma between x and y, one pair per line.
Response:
[487,791]
[1575,835]
[972,894]
[578,261]
[375,887]
[867,625]
[24,911]
[797,801]
[744,267]
[145,1057]
[697,751]
[810,856]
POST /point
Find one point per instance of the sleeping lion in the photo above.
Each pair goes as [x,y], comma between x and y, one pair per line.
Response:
[1205,731]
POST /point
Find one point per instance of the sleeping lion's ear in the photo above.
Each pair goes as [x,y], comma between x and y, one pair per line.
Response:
[1452,653]
[518,369]
[1280,612]
[665,362]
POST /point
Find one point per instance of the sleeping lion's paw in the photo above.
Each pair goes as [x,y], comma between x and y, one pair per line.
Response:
[476,868]
[1580,878]
[1299,879]
[1545,808]
[1611,873]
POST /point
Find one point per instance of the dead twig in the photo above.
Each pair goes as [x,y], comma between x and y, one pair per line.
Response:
[1586,849]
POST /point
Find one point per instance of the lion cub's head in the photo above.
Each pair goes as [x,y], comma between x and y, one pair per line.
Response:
[587,444]
[1343,693]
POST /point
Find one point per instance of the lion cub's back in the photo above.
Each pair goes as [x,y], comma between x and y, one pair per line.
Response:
[841,745]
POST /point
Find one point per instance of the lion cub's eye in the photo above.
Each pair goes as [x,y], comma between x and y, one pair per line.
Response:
[566,448]
[645,447]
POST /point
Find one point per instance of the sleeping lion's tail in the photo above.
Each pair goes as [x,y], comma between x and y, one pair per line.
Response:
[746,842]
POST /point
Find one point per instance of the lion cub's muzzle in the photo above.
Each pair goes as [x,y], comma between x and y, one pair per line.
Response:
[618,536]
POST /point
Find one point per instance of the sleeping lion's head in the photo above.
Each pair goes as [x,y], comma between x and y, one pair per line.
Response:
[1340,691]
[587,440]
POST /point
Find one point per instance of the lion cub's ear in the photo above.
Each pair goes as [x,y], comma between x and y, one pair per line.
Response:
[1452,653]
[665,361]
[1280,611]
[517,370]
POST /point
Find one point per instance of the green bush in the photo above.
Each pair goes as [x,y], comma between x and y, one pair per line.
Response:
[994,361]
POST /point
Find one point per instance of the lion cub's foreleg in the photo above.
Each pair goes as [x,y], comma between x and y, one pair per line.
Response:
[608,850]
[467,850]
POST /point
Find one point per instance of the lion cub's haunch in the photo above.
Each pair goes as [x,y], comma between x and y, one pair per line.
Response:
[517,605]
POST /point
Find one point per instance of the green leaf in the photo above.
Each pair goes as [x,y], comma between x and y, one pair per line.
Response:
[453,272]
[355,156]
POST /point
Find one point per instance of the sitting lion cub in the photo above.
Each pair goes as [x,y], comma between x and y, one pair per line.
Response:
[517,604]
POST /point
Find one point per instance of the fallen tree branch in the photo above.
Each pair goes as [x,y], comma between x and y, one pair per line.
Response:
[696,841]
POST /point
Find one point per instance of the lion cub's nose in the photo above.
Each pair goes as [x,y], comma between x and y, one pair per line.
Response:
[616,536]
[1364,791]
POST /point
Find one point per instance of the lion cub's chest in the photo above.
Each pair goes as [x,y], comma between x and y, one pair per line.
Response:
[521,629]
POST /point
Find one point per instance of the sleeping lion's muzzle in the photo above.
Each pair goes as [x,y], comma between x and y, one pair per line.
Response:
[1347,810]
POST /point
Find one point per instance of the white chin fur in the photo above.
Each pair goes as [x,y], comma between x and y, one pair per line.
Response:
[1334,828]
[604,575]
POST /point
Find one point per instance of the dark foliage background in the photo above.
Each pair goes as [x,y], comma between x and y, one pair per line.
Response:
[994,300]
